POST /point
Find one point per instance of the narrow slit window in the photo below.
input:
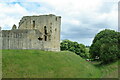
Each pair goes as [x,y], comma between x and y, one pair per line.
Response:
[45,38]
[33,24]
[45,30]
[56,18]
[55,29]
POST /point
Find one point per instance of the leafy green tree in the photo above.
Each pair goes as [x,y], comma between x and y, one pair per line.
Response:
[108,54]
[86,54]
[65,45]
[72,46]
[105,46]
[119,44]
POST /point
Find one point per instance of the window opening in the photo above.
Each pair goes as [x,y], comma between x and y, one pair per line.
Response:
[55,29]
[33,24]
[45,30]
[39,38]
[45,38]
[56,18]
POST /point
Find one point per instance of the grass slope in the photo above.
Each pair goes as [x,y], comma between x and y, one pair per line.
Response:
[109,70]
[45,64]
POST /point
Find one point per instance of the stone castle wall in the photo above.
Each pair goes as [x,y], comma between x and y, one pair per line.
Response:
[19,39]
[34,32]
[52,24]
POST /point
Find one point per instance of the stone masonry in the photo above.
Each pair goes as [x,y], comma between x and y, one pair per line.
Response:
[34,32]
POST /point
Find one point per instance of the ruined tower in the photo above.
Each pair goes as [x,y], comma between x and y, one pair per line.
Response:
[35,32]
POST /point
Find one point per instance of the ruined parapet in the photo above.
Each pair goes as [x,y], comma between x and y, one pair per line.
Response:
[14,27]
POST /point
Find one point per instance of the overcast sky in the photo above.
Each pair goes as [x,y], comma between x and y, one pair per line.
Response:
[81,19]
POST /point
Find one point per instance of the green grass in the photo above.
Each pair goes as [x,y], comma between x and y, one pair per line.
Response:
[46,64]
[109,70]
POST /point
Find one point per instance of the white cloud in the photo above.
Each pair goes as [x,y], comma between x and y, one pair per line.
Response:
[10,14]
[77,15]
[12,9]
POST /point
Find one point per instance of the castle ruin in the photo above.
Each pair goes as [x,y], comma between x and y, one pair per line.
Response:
[34,32]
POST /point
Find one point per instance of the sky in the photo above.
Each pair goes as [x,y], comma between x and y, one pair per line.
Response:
[81,19]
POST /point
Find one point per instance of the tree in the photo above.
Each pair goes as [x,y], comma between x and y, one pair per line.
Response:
[72,46]
[65,45]
[119,44]
[108,54]
[105,46]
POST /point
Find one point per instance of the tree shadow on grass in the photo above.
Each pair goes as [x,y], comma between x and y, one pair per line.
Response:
[101,64]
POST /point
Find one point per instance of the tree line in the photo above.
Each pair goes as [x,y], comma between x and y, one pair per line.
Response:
[105,47]
[75,47]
